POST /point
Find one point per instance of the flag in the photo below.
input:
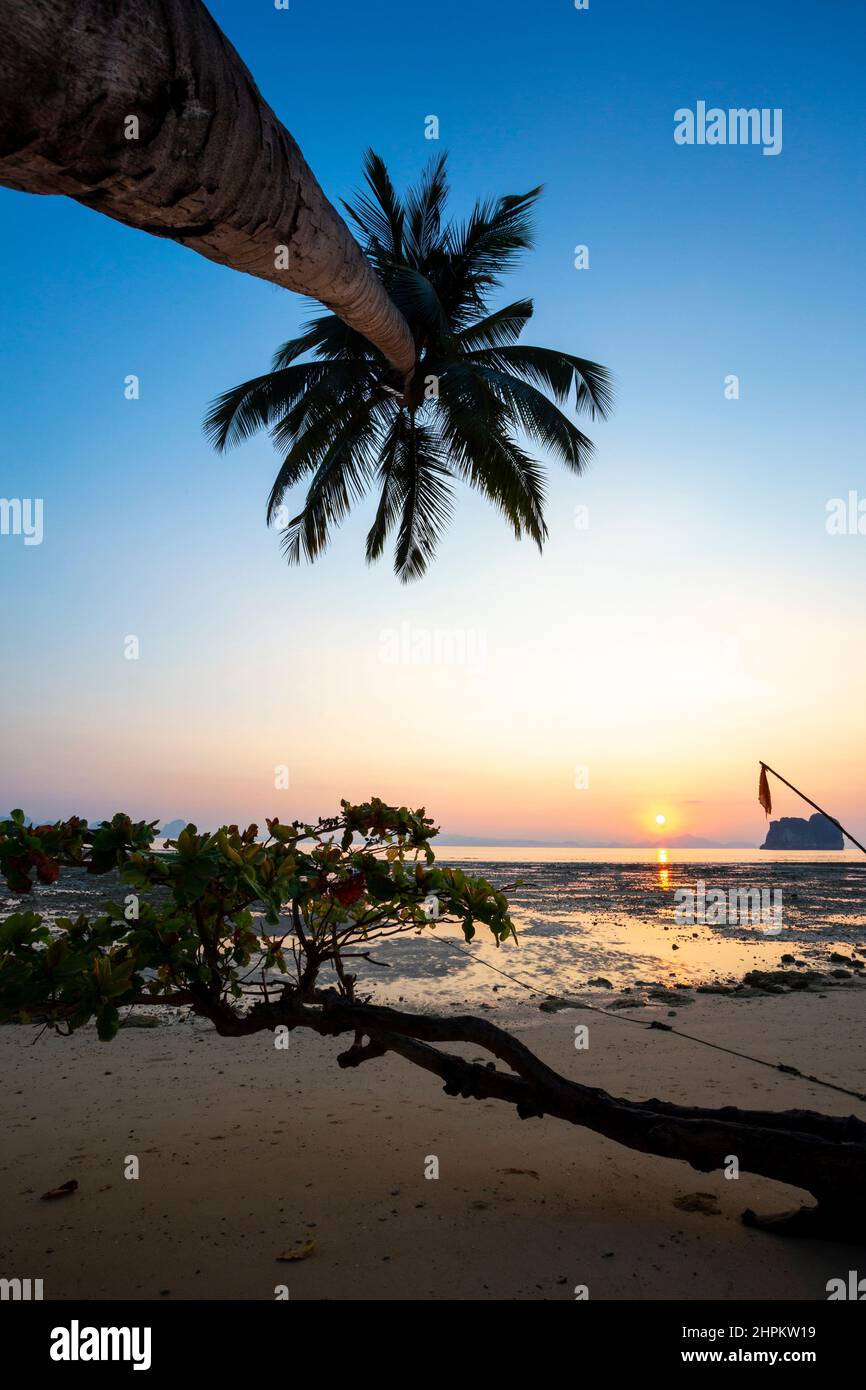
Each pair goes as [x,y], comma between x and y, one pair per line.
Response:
[764,791]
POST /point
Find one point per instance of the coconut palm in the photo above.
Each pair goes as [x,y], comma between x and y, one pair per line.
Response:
[478,401]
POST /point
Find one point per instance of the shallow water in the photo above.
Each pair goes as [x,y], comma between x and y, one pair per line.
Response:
[610,918]
[580,921]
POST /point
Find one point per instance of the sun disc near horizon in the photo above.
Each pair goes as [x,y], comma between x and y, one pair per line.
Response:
[660,819]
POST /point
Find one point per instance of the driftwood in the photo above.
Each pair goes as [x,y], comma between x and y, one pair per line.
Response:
[824,1155]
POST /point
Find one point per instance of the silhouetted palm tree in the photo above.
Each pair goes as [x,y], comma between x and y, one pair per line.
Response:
[347,421]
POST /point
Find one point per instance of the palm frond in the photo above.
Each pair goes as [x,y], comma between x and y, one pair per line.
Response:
[501,327]
[390,497]
[380,218]
[424,206]
[555,371]
[476,429]
[543,421]
[258,404]
[343,476]
[425,483]
[496,235]
[309,432]
[329,338]
[339,388]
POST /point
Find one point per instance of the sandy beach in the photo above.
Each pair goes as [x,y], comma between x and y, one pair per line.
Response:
[247,1152]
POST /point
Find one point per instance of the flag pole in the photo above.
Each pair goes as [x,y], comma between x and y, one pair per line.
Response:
[808,799]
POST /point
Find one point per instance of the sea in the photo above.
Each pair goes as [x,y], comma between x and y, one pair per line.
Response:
[601,923]
[604,924]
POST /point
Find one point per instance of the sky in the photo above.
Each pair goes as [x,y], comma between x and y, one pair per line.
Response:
[701,620]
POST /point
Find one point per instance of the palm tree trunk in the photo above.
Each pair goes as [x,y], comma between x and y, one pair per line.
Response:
[145,112]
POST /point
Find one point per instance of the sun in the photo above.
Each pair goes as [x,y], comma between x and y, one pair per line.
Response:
[661,820]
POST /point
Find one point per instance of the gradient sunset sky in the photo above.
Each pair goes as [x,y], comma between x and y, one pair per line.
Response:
[703,620]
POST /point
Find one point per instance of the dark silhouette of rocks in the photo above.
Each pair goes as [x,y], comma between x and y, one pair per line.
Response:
[795,832]
[172,829]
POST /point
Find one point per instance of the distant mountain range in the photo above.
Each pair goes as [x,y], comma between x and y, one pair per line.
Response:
[171,829]
[674,842]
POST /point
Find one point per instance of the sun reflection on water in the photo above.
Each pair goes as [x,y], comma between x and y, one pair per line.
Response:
[664,874]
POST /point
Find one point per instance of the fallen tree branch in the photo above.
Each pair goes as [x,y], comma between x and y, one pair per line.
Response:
[823,1155]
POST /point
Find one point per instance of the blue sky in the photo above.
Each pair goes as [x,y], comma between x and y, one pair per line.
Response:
[704,619]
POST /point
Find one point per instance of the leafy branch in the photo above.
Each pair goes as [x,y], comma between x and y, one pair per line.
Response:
[214,911]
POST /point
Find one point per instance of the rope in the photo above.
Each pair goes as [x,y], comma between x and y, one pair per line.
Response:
[785,1067]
